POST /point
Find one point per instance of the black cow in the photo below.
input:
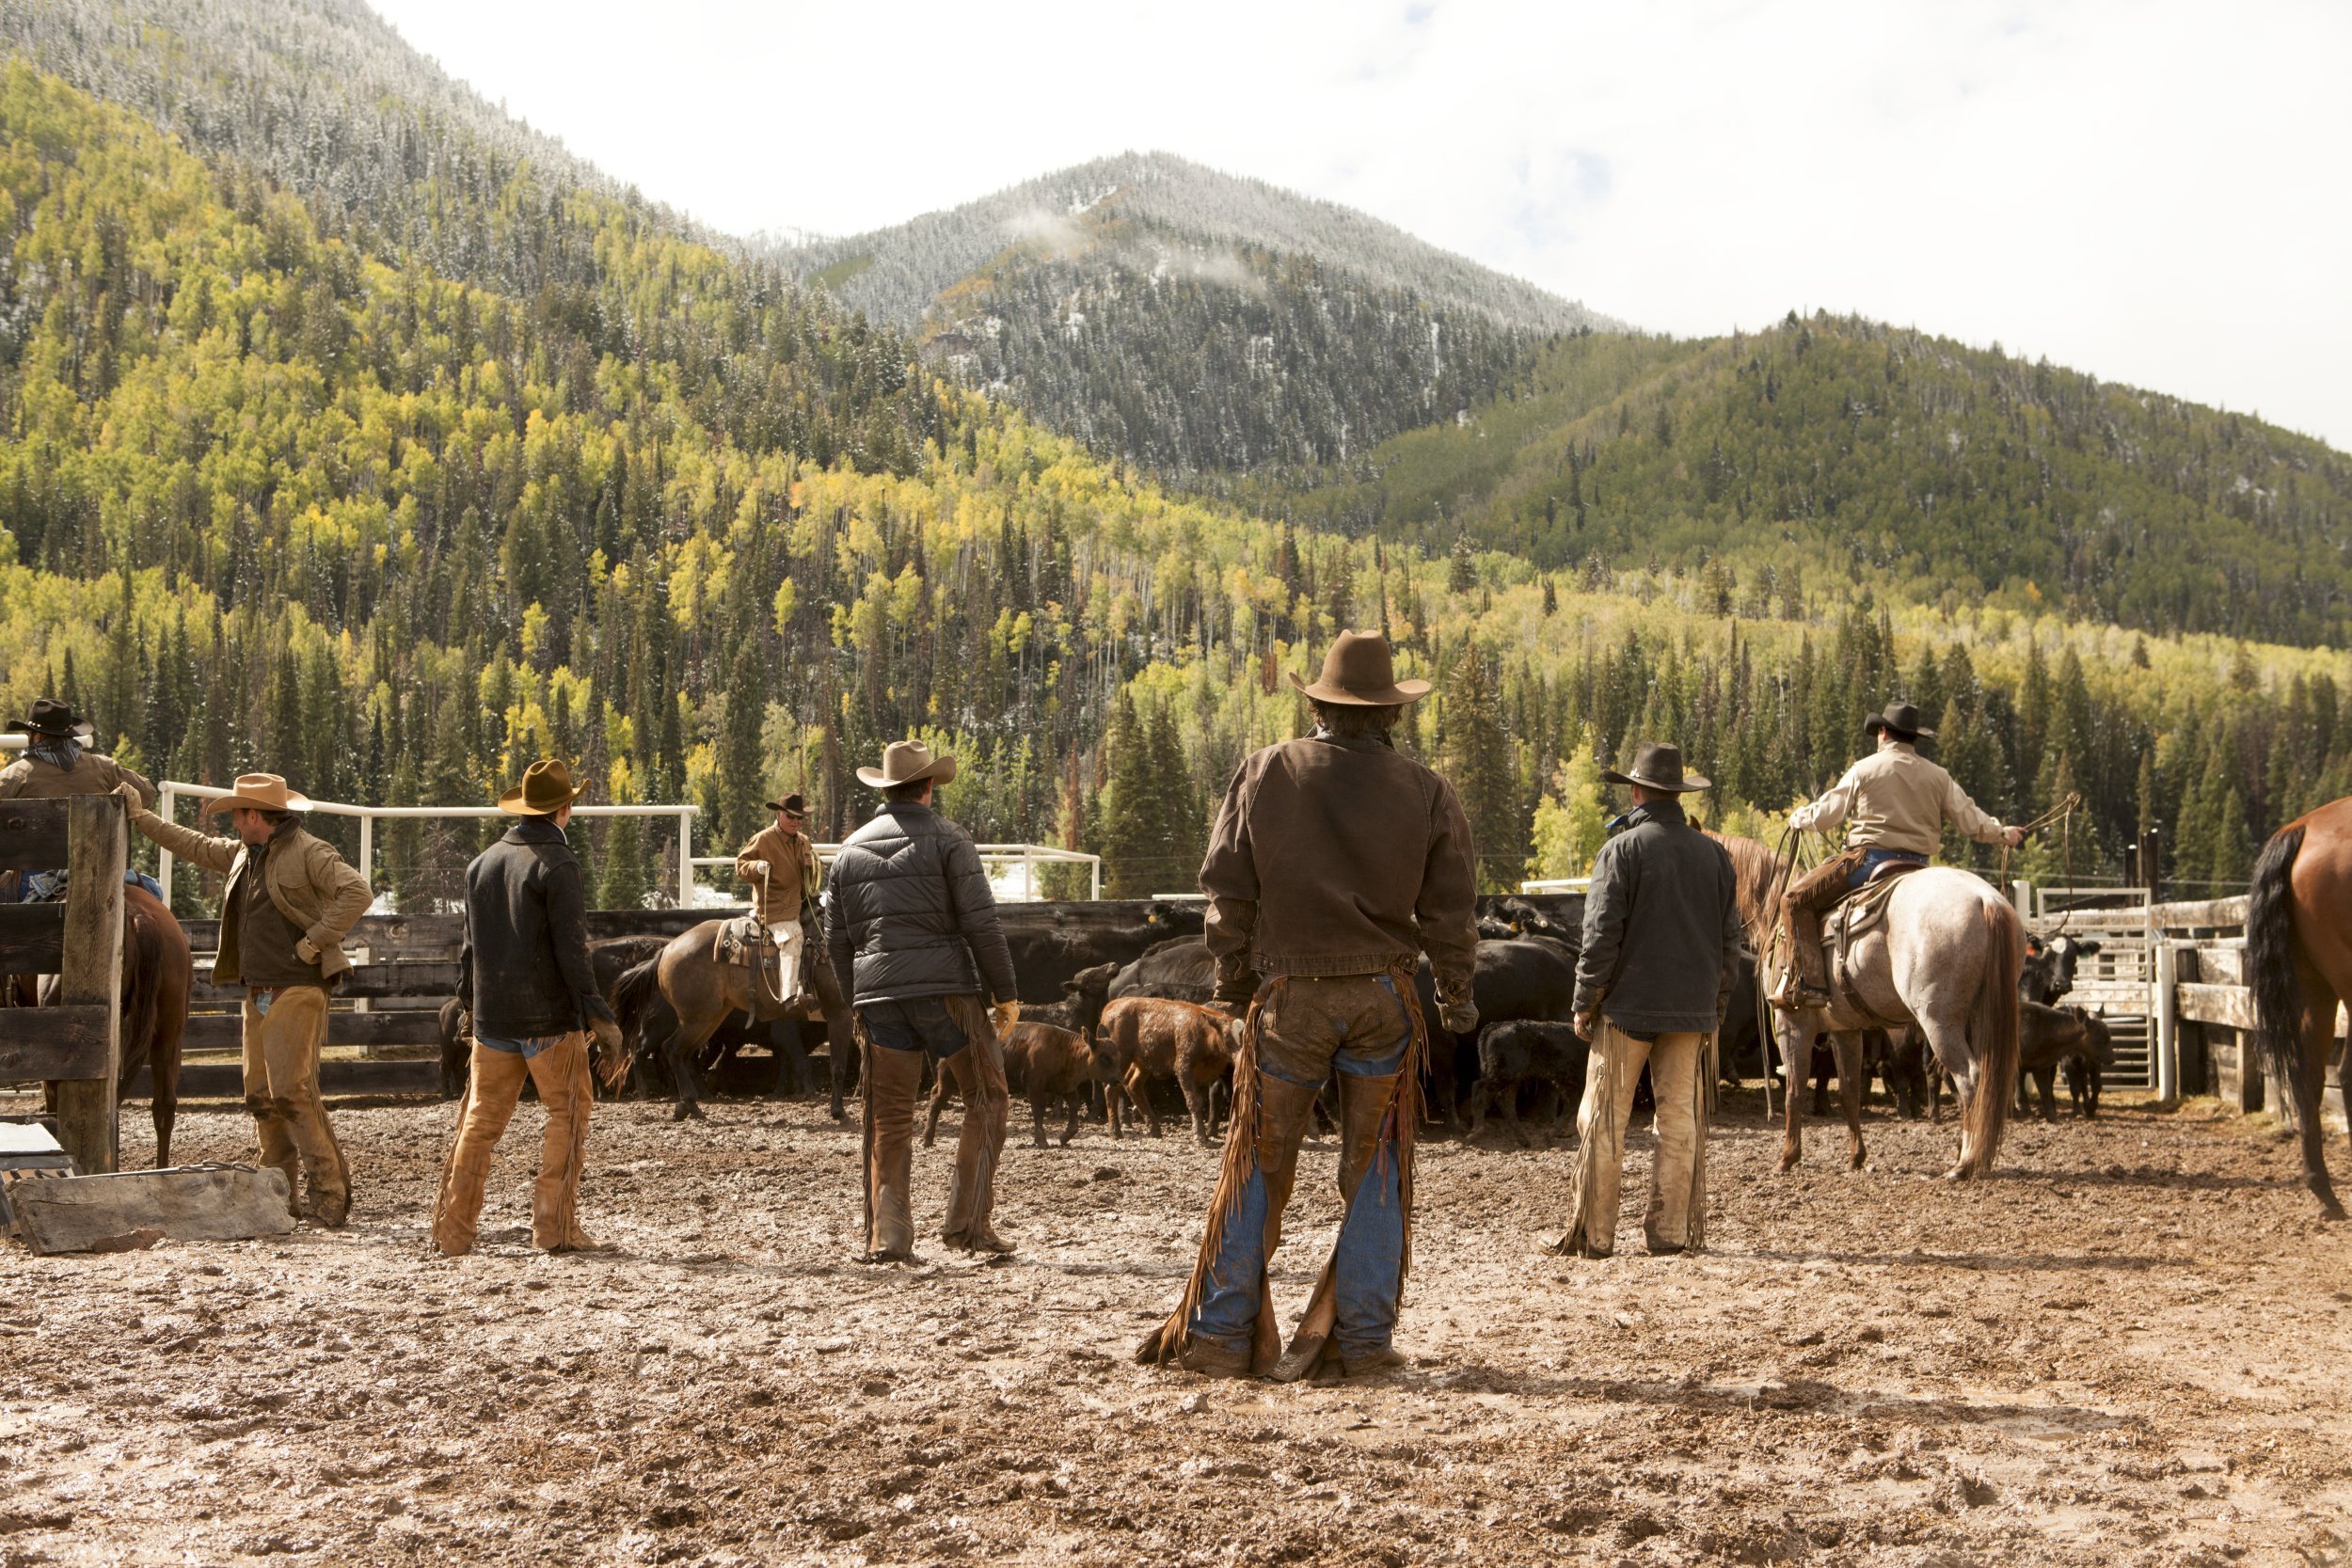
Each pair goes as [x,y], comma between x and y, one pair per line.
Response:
[1180,970]
[1083,998]
[1050,943]
[2050,963]
[1521,1051]
[1527,977]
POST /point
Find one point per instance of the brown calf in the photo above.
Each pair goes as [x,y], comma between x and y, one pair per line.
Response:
[1046,1062]
[1151,1038]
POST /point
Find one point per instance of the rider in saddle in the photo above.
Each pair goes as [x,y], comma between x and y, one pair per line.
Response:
[1894,803]
[57,762]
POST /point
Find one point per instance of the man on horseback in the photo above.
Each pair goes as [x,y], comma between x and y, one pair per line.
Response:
[913,925]
[289,902]
[780,865]
[1336,861]
[57,762]
[523,974]
[1894,803]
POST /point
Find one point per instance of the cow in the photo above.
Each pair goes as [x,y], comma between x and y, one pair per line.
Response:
[1046,1063]
[1521,1052]
[1083,998]
[1052,942]
[1150,1038]
[2050,964]
[1526,978]
[2052,1038]
[1178,971]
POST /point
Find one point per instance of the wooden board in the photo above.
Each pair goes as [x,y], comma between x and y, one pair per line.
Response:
[336,1076]
[33,836]
[2199,915]
[109,1214]
[40,1044]
[226,1031]
[420,977]
[2231,1005]
[32,938]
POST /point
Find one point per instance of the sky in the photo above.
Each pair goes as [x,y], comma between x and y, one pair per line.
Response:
[2154,193]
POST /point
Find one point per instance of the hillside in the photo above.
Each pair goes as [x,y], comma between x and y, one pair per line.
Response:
[1839,450]
[1190,320]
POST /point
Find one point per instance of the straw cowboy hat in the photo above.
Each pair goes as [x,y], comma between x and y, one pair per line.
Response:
[1658,765]
[546,788]
[51,717]
[259,792]
[1901,719]
[1359,671]
[907,762]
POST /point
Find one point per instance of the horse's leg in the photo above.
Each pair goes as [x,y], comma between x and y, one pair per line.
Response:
[1849,1085]
[1796,1045]
[162,1065]
[1949,1041]
[2317,1045]
[840,1046]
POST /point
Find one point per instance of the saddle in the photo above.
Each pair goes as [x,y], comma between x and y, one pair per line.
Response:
[1855,916]
[747,943]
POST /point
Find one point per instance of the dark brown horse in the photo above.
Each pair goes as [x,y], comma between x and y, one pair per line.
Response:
[157,971]
[702,992]
[2298,965]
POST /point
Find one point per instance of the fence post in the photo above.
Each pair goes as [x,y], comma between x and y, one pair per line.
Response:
[2164,1008]
[686,858]
[2021,899]
[167,802]
[97,849]
[1094,868]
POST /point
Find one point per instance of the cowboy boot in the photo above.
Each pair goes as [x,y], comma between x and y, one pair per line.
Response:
[276,1148]
[491,1089]
[1368,1261]
[897,1076]
[561,1074]
[1231,1330]
[979,1075]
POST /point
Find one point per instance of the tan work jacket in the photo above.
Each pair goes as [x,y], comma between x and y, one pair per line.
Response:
[1895,798]
[782,869]
[311,885]
[92,773]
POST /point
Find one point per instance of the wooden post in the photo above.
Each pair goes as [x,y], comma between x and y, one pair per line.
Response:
[97,846]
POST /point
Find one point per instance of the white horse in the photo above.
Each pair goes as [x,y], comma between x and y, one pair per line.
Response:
[1945,957]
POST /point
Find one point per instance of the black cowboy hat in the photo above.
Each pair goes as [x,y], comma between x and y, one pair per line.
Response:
[1658,765]
[792,803]
[1901,719]
[51,717]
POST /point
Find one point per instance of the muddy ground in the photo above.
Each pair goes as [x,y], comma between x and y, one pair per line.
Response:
[2132,1346]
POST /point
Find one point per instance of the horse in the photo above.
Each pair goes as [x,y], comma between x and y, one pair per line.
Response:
[2298,965]
[1946,958]
[158,970]
[702,992]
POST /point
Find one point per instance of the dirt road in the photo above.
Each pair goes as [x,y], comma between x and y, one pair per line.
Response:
[2130,1347]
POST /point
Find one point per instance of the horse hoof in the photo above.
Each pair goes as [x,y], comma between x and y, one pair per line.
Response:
[686,1110]
[1958,1173]
[1787,1163]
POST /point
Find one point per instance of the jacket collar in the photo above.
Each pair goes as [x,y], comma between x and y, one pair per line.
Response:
[1666,812]
[284,832]
[535,830]
[1374,742]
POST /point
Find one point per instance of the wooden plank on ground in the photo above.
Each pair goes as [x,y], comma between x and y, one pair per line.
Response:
[226,1031]
[90,973]
[32,938]
[33,836]
[137,1209]
[62,1043]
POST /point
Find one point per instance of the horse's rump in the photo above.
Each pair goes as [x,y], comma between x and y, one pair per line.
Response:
[2270,973]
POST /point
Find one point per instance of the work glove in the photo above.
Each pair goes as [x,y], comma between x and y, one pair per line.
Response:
[131,801]
[1459,1018]
[1006,1015]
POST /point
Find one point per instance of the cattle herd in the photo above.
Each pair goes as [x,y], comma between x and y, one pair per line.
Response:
[1117,1024]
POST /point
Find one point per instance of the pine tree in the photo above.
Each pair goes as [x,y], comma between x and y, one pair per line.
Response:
[1480,763]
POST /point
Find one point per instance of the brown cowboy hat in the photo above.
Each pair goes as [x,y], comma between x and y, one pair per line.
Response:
[907,762]
[791,803]
[1658,765]
[546,788]
[1902,719]
[51,717]
[259,792]
[1360,671]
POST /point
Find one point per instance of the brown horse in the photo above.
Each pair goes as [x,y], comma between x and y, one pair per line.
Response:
[701,994]
[2298,965]
[157,971]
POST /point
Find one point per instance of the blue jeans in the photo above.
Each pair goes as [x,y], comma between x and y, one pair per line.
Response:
[528,1045]
[921,1024]
[35,886]
[1873,859]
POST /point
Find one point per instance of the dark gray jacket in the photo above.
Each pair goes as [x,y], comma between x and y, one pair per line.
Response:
[524,969]
[910,914]
[1662,927]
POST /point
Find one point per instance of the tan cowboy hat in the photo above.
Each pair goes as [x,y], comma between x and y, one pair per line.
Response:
[546,788]
[1658,765]
[907,762]
[1902,719]
[1360,671]
[260,792]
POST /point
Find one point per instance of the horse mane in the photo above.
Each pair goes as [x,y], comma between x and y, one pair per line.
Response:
[1756,873]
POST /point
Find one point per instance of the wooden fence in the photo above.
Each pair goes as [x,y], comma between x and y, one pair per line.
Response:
[78,1042]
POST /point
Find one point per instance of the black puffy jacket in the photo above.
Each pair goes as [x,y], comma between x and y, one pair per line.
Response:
[909,914]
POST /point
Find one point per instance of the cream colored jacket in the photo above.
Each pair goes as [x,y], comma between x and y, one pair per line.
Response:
[1895,798]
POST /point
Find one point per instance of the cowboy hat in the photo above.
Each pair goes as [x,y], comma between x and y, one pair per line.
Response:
[259,792]
[546,788]
[791,803]
[51,717]
[907,762]
[1901,718]
[1658,765]
[1359,671]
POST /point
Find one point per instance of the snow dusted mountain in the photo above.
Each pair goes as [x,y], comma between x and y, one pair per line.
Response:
[1193,320]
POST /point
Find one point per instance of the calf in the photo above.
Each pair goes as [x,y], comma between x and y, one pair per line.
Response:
[1047,1065]
[1521,1052]
[1150,1038]
[2075,1039]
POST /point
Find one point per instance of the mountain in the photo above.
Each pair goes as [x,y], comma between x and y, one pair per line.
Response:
[1837,449]
[1193,322]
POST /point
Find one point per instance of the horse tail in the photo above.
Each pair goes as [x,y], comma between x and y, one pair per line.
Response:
[1992,1031]
[636,988]
[142,976]
[2277,995]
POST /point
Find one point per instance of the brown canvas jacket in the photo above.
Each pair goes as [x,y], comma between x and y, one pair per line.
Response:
[92,773]
[791,875]
[310,884]
[1336,856]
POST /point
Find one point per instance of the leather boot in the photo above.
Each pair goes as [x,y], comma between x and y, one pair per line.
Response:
[276,1148]
[491,1089]
[894,1077]
[979,1075]
[561,1073]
